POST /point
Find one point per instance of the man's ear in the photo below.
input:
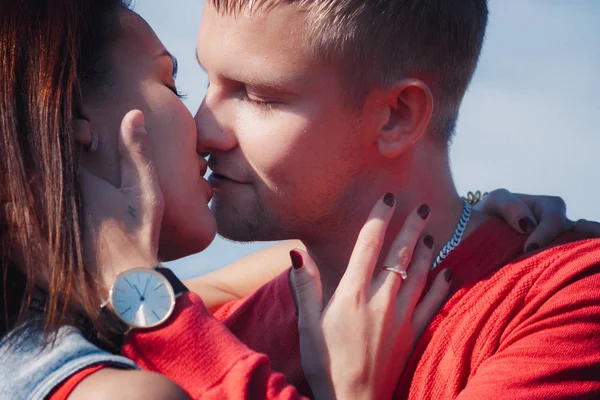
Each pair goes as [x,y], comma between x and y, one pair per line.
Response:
[409,104]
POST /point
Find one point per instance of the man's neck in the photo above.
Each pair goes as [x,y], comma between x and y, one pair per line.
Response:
[437,191]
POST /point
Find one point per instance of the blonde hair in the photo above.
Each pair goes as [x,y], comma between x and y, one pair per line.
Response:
[377,42]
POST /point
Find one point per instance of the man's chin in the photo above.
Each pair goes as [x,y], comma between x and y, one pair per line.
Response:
[240,231]
[238,228]
[246,221]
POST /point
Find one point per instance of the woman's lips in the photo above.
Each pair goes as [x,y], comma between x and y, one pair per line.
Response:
[210,189]
[204,168]
[211,192]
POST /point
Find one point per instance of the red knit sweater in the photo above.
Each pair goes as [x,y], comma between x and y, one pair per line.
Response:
[199,354]
[515,328]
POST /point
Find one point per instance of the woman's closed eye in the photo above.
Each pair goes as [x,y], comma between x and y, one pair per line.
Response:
[178,93]
[173,88]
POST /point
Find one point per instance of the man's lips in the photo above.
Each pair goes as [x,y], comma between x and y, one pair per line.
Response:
[215,178]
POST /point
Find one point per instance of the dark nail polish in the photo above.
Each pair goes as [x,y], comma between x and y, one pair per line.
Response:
[526,224]
[428,240]
[448,275]
[296,259]
[532,247]
[423,211]
[389,200]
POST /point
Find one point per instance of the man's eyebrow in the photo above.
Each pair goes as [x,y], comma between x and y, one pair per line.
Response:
[253,82]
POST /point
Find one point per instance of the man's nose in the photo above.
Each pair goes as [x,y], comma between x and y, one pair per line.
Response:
[214,133]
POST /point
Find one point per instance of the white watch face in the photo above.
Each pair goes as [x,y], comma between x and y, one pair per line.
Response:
[142,297]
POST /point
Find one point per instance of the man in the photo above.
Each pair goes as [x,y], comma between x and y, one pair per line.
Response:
[316,108]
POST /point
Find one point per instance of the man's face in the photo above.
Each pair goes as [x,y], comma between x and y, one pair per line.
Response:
[289,159]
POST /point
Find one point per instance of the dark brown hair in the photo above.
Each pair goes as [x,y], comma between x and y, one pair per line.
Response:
[377,42]
[50,52]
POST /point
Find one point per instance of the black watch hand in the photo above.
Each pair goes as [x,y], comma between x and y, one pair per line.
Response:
[146,287]
[136,289]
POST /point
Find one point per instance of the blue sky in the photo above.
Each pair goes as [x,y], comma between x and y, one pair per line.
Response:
[530,121]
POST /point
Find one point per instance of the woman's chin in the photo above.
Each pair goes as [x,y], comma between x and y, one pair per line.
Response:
[178,243]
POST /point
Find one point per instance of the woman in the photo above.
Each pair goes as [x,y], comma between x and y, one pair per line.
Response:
[70,70]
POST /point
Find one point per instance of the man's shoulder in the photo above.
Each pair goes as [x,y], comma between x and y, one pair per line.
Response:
[564,264]
[540,310]
[566,261]
[570,245]
[568,253]
[516,283]
[568,270]
[496,251]
[109,383]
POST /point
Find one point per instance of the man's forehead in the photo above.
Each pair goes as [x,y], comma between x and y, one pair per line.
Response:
[275,37]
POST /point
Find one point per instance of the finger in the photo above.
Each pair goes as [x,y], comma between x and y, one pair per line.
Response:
[308,292]
[411,290]
[359,274]
[550,227]
[552,216]
[401,252]
[589,229]
[509,207]
[432,301]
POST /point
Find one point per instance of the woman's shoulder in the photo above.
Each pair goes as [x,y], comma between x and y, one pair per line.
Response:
[33,365]
[112,383]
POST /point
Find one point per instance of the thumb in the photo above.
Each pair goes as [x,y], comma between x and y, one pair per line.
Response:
[138,177]
[307,289]
[134,152]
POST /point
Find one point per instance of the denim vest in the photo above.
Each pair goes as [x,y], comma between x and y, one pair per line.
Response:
[31,370]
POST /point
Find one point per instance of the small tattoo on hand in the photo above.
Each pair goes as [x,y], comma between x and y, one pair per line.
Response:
[132,212]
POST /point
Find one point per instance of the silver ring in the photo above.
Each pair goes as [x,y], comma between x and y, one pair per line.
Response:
[398,271]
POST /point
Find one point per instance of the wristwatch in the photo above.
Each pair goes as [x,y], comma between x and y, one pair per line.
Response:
[144,298]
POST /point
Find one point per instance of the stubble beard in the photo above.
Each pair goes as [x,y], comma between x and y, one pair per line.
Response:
[250,223]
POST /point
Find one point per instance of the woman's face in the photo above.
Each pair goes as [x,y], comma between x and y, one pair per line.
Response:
[142,77]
